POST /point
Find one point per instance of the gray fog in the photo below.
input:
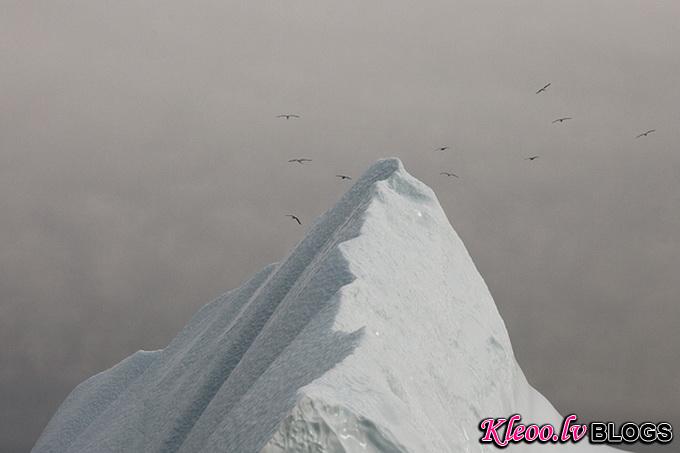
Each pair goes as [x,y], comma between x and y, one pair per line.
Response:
[143,172]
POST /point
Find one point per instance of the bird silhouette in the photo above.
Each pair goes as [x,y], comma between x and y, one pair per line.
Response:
[294,217]
[644,134]
[449,174]
[288,116]
[300,161]
[343,176]
[562,120]
[532,158]
[542,90]
[442,148]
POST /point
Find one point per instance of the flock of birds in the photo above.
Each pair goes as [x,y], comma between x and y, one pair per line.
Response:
[543,89]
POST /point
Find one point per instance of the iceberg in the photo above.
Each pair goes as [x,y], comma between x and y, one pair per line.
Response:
[375,334]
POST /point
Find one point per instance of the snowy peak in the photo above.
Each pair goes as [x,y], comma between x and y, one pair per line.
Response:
[375,334]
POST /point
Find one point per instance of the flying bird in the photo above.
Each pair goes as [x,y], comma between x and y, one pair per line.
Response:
[532,158]
[300,161]
[542,90]
[343,176]
[442,148]
[644,134]
[562,120]
[449,174]
[288,116]
[294,217]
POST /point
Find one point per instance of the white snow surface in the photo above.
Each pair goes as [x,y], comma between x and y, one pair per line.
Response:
[375,334]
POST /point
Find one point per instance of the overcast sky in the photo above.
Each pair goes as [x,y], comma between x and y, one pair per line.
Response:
[143,172]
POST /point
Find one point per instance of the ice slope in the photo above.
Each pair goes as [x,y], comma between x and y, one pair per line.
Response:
[376,334]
